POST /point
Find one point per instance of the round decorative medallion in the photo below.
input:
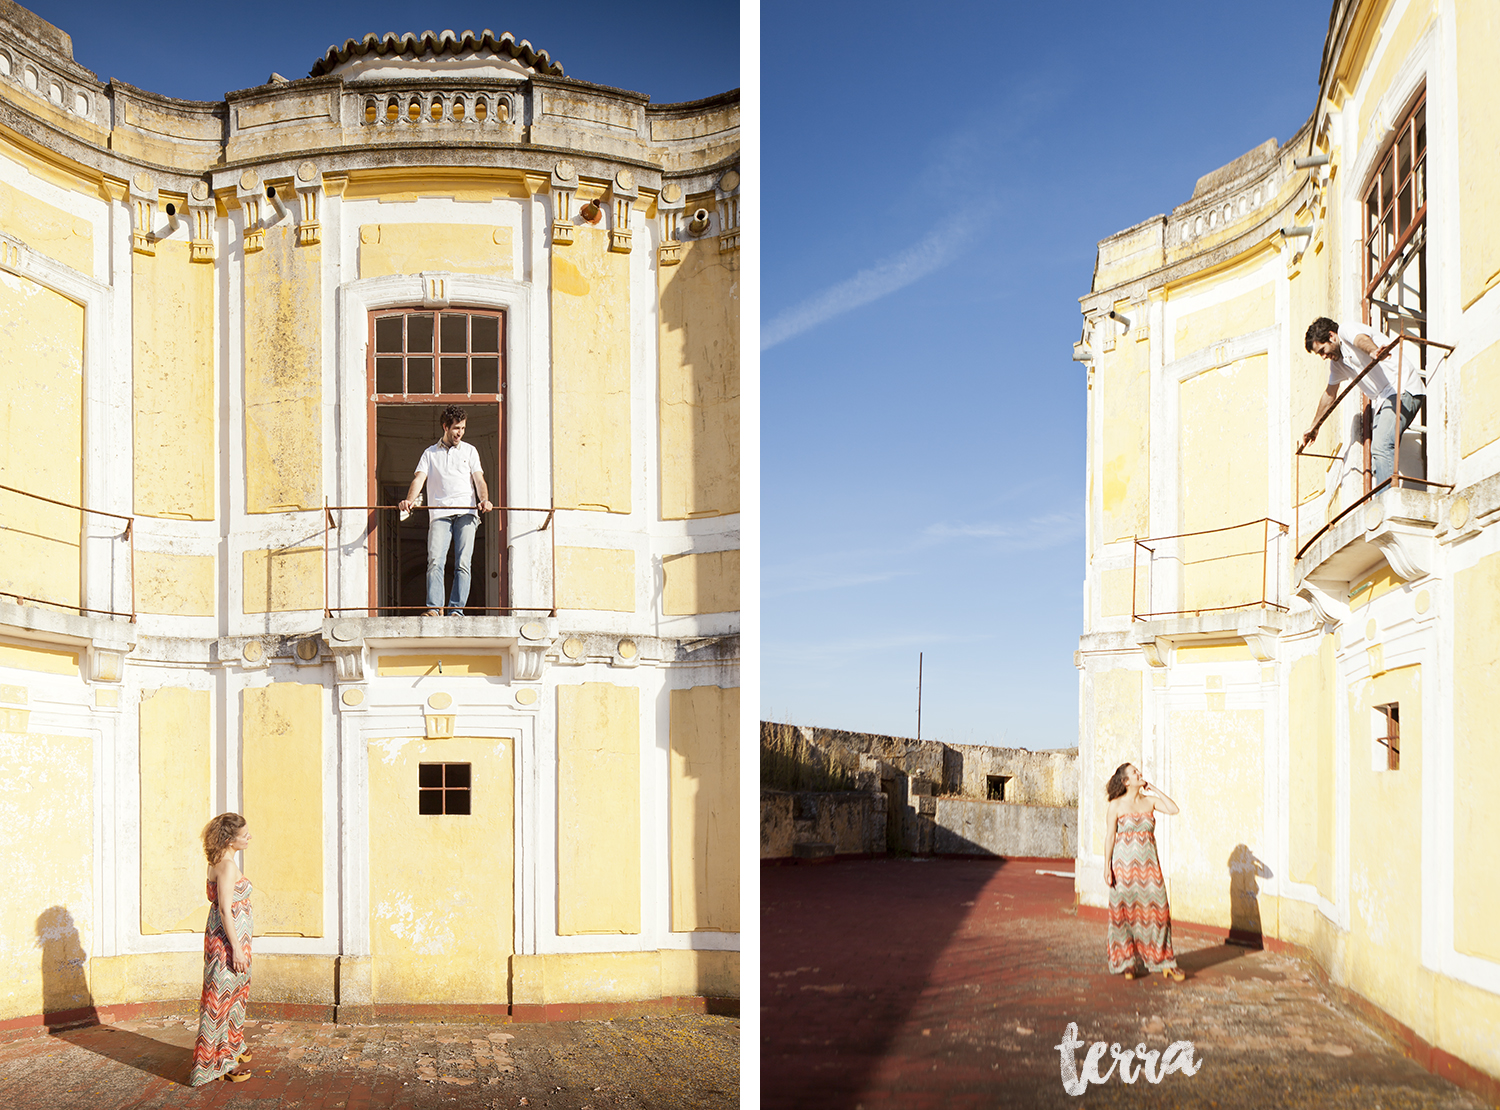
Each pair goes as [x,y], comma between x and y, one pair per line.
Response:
[440,700]
[307,649]
[1370,629]
[248,181]
[625,179]
[142,182]
[671,192]
[352,697]
[1374,514]
[200,190]
[1424,601]
[345,631]
[573,647]
[627,649]
[252,651]
[532,630]
[307,172]
[526,696]
[565,171]
[730,181]
[1458,512]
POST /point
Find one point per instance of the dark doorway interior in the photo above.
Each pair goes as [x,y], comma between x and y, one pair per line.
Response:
[402,433]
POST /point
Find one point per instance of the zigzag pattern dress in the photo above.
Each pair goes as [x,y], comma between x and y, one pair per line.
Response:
[1140,923]
[221,1010]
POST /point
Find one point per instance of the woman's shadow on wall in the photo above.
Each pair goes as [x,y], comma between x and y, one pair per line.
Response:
[1245,931]
[68,1009]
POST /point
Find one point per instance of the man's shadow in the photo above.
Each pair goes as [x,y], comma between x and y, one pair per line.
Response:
[69,1012]
[1245,933]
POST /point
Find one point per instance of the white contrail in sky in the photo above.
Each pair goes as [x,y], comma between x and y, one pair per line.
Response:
[896,272]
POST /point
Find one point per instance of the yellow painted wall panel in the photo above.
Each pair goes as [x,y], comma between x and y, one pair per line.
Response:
[704,730]
[283,580]
[1122,396]
[1476,756]
[1220,487]
[598,809]
[283,375]
[591,441]
[41,436]
[1115,590]
[457,248]
[1385,849]
[707,582]
[148,976]
[172,379]
[46,660]
[453,666]
[176,799]
[596,578]
[1478,41]
[442,886]
[1217,323]
[1311,735]
[47,843]
[568,977]
[1219,789]
[177,585]
[1479,404]
[47,230]
[282,761]
[700,383]
[1117,698]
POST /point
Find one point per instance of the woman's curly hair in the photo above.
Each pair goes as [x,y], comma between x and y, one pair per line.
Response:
[1115,787]
[218,834]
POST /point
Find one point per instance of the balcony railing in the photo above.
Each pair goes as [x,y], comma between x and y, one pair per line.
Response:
[372,535]
[1208,569]
[1398,479]
[33,529]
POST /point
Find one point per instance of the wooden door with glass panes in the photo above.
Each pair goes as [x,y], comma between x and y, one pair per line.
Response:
[420,362]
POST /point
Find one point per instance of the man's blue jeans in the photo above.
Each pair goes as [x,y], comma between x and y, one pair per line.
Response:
[1383,435]
[442,531]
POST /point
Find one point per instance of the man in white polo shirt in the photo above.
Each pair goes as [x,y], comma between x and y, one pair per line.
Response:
[1349,350]
[450,469]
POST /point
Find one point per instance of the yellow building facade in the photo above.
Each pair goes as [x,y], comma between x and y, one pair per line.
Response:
[1302,657]
[229,329]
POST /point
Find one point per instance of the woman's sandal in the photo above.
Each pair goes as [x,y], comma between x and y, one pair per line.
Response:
[1175,974]
[237,1076]
[242,1058]
[1130,975]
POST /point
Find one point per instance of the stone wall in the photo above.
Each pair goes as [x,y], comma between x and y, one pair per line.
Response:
[806,823]
[966,826]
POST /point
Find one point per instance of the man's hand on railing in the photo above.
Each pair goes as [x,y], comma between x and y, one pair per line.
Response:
[484,506]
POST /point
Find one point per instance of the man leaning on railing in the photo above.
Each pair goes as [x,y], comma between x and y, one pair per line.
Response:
[450,469]
[1361,353]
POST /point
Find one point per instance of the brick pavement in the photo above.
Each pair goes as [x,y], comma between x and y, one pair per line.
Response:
[669,1061]
[947,983]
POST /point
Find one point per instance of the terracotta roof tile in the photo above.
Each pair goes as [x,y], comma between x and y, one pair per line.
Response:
[437,43]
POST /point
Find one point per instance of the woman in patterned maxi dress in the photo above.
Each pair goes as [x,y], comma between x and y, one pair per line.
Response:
[226,956]
[1140,922]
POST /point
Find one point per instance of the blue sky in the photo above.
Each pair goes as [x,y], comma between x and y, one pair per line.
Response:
[672,50]
[936,180]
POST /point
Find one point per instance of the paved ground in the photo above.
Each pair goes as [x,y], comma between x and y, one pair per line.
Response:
[681,1060]
[947,983]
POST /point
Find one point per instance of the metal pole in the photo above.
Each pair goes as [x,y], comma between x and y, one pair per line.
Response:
[919,695]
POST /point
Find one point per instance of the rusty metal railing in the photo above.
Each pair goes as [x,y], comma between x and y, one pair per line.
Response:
[1263,602]
[373,607]
[1397,479]
[127,534]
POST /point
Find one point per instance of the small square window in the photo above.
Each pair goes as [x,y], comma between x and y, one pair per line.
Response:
[443,788]
[1387,749]
[994,786]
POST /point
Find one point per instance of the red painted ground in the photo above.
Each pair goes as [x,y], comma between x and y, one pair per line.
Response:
[947,983]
